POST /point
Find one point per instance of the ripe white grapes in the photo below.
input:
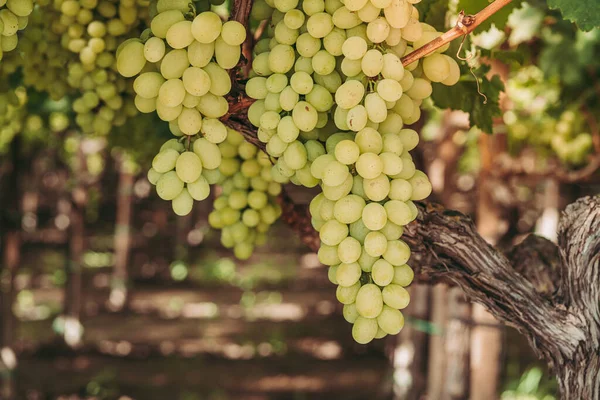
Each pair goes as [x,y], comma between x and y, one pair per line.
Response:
[179,70]
[332,101]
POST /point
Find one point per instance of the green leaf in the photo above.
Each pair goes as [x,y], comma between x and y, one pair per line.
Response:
[433,12]
[585,13]
[499,18]
[463,96]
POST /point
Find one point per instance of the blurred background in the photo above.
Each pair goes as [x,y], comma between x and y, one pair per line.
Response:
[106,294]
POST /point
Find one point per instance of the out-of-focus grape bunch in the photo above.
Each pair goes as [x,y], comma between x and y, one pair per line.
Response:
[533,123]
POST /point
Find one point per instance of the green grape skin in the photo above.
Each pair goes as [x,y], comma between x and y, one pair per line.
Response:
[182,204]
[396,296]
[391,321]
[364,330]
[169,186]
[369,301]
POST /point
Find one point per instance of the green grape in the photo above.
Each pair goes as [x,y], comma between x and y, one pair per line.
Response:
[199,189]
[390,320]
[347,295]
[276,83]
[281,58]
[179,35]
[345,19]
[334,173]
[188,167]
[209,153]
[347,152]
[348,209]
[227,55]
[214,131]
[169,186]
[196,81]
[148,84]
[171,93]
[364,330]
[153,176]
[319,25]
[369,13]
[200,54]
[392,67]
[305,116]
[348,274]
[335,193]
[369,165]
[165,160]
[403,275]
[374,216]
[349,94]
[436,67]
[220,83]
[369,141]
[350,313]
[331,274]
[333,232]
[233,33]
[294,19]
[397,252]
[421,187]
[375,244]
[174,63]
[389,89]
[398,212]
[369,301]
[378,188]
[183,203]
[454,74]
[301,82]
[189,121]
[396,296]
[287,130]
[378,30]
[349,251]
[131,60]
[206,27]
[382,273]
[398,13]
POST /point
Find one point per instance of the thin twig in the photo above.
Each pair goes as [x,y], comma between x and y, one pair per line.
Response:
[465,25]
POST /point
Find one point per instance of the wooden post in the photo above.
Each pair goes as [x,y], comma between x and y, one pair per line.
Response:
[119,284]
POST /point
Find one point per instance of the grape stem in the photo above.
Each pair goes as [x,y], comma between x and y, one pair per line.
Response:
[465,25]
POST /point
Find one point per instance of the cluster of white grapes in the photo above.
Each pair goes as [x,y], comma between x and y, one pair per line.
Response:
[14,16]
[182,172]
[90,32]
[332,98]
[44,60]
[181,68]
[247,205]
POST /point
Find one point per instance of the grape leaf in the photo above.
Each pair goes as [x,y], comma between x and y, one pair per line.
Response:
[585,13]
[433,12]
[499,18]
[463,96]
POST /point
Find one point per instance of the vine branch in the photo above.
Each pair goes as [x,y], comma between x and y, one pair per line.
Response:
[465,25]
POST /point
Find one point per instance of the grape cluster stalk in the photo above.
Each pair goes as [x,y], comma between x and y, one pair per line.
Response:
[332,101]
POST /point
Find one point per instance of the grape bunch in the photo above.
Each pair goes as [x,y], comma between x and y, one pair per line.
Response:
[180,67]
[332,98]
[14,17]
[44,62]
[246,206]
[90,32]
